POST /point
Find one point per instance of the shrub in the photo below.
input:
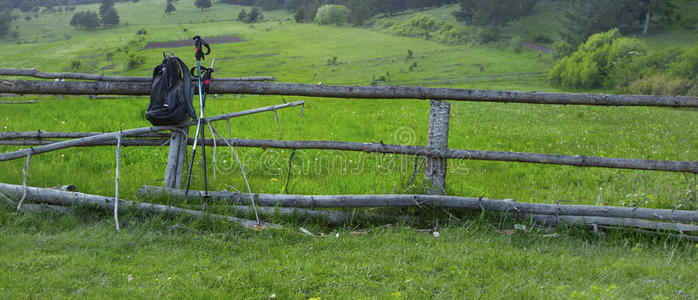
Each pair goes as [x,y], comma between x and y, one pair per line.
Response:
[517,42]
[541,38]
[331,14]
[135,62]
[594,61]
[424,26]
[487,36]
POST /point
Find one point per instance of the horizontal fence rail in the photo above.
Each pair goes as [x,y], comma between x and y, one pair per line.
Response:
[101,77]
[155,139]
[356,92]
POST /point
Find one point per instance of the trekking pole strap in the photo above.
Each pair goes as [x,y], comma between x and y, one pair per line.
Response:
[200,44]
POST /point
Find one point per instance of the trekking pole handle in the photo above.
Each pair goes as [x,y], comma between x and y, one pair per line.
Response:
[200,44]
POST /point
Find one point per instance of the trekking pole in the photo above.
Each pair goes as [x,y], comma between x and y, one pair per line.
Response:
[199,44]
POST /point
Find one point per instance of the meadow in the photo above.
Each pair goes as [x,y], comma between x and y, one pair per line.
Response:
[81,255]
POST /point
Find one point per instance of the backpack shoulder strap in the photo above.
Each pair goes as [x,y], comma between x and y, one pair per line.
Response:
[186,88]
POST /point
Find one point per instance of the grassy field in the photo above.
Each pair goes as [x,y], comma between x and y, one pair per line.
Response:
[210,260]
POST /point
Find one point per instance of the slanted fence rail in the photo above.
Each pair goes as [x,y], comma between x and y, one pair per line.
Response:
[437,152]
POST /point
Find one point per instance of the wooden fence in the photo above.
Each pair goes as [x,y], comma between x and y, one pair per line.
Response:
[436,153]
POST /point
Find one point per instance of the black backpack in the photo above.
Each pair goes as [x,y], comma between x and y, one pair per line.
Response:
[171,94]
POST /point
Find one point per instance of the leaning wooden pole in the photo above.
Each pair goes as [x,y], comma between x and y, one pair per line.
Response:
[56,197]
[132,133]
[350,92]
[352,201]
[524,157]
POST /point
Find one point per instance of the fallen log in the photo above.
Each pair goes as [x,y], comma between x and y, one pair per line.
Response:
[352,201]
[332,217]
[553,220]
[350,92]
[101,77]
[19,102]
[131,133]
[64,198]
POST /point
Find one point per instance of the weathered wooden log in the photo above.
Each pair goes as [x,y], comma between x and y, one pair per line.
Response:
[176,158]
[332,217]
[40,134]
[56,197]
[132,132]
[524,157]
[351,201]
[350,92]
[19,102]
[435,167]
[81,141]
[101,77]
[553,220]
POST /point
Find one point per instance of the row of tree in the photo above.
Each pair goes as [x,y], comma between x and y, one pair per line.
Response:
[108,16]
[358,10]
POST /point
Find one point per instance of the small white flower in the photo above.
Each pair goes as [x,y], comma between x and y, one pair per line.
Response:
[436,234]
[337,235]
[272,296]
[130,277]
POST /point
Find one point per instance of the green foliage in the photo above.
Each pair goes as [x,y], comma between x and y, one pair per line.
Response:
[170,7]
[331,14]
[609,60]
[426,27]
[107,13]
[5,21]
[672,71]
[582,18]
[542,39]
[202,4]
[492,12]
[85,19]
[300,15]
[592,64]
[254,16]
[242,16]
[135,61]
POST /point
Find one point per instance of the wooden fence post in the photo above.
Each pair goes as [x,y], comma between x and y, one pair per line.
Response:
[176,158]
[435,175]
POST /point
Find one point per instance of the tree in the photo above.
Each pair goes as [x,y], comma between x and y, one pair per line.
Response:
[203,4]
[662,8]
[492,12]
[108,14]
[582,18]
[300,14]
[331,14]
[5,20]
[85,19]
[170,7]
[242,16]
[255,15]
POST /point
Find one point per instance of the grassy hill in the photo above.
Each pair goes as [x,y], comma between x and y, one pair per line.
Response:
[206,259]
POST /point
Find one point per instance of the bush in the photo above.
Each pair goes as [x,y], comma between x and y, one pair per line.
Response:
[487,36]
[85,19]
[135,62]
[672,71]
[594,61]
[517,42]
[541,38]
[424,26]
[331,14]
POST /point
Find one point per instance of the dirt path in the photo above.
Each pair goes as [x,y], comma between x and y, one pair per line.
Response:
[185,43]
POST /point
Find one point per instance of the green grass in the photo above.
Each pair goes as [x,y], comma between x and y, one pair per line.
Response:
[64,257]
[81,256]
